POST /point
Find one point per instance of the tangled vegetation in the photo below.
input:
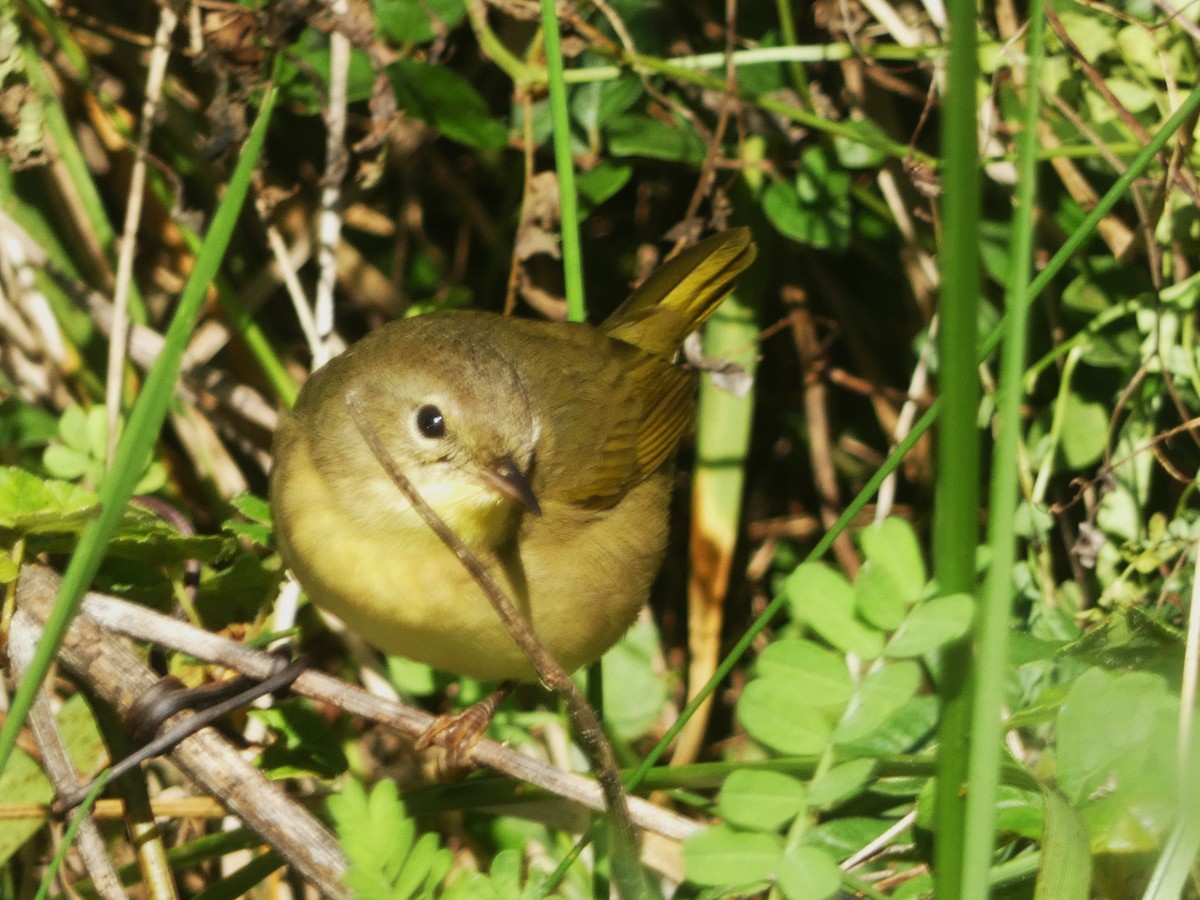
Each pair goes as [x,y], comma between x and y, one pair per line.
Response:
[926,623]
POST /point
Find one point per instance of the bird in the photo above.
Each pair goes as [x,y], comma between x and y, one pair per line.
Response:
[546,447]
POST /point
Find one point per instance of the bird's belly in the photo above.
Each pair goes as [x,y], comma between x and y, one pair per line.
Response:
[585,577]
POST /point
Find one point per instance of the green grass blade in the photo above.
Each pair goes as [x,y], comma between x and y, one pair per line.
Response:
[1065,870]
[1173,870]
[956,508]
[1137,167]
[60,130]
[995,611]
[849,514]
[68,838]
[137,442]
[565,167]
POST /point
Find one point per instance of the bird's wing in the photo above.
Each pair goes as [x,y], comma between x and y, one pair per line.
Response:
[617,415]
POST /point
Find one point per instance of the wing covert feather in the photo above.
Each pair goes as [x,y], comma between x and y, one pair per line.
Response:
[613,415]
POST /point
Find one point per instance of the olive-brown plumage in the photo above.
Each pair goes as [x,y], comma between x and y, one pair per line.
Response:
[544,445]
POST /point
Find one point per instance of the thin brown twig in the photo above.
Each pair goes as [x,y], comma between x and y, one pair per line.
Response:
[552,674]
[57,761]
[118,339]
[142,624]
[104,810]
[329,220]
[712,151]
[1184,181]
[527,148]
[1146,226]
[145,344]
[820,442]
[115,674]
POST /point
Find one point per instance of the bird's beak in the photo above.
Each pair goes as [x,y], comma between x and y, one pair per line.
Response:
[507,480]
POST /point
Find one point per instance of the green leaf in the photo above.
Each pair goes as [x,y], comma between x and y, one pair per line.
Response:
[932,624]
[29,504]
[842,835]
[161,544]
[1133,95]
[775,715]
[854,154]
[1090,34]
[631,674]
[881,693]
[918,888]
[841,783]
[303,743]
[250,531]
[634,134]
[411,677]
[304,72]
[823,600]
[1019,811]
[808,873]
[65,462]
[892,545]
[506,872]
[815,210]
[417,21]
[73,429]
[1142,50]
[760,800]
[23,780]
[1084,432]
[97,432]
[1130,639]
[817,675]
[782,208]
[441,98]
[234,593]
[722,856]
[1066,869]
[600,183]
[23,426]
[1113,729]
[598,102]
[253,507]
[907,729]
[386,859]
[257,529]
[879,597]
[1031,520]
[618,96]
[422,862]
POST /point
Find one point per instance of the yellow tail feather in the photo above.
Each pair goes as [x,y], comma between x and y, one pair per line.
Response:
[681,295]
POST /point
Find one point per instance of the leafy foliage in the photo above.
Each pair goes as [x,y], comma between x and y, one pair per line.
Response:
[387,858]
[821,134]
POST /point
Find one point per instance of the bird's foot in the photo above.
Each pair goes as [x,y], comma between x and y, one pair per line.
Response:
[458,733]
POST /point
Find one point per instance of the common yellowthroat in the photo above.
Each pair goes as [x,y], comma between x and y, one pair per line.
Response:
[545,446]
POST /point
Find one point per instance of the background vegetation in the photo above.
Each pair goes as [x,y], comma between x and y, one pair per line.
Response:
[881,658]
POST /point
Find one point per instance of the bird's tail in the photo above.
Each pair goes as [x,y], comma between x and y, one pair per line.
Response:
[682,294]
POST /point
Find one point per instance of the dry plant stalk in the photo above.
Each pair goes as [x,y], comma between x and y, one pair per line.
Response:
[93,651]
[116,675]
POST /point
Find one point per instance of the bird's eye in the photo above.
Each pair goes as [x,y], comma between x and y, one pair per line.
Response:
[430,421]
